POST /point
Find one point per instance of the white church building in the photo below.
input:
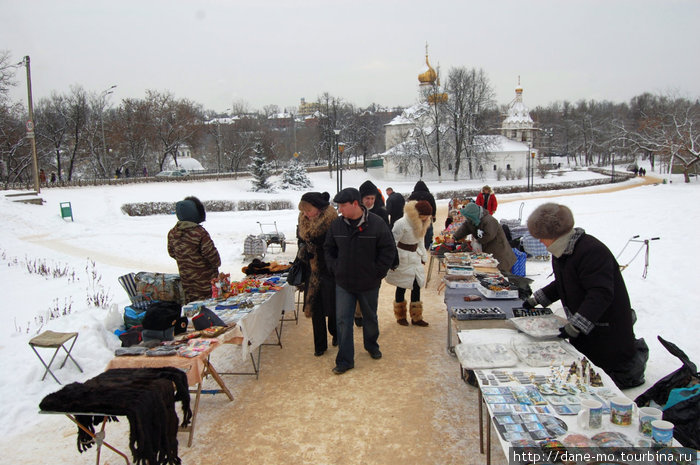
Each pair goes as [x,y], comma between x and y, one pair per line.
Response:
[507,154]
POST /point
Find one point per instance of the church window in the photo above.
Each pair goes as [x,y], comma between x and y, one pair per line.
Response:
[494,167]
[508,166]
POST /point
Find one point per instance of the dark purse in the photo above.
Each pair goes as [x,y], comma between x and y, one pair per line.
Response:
[298,273]
[206,319]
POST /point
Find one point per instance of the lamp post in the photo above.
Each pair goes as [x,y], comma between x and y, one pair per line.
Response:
[30,126]
[103,95]
[341,149]
[337,160]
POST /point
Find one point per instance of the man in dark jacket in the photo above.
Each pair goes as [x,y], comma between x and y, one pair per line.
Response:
[421,192]
[359,250]
[588,282]
[394,206]
[369,195]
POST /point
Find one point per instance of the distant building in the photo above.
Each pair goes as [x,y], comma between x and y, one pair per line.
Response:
[506,154]
[308,108]
[184,160]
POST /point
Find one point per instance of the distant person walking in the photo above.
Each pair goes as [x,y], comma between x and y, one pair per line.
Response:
[409,232]
[42,177]
[145,172]
[394,205]
[315,218]
[421,192]
[359,250]
[487,199]
[193,249]
[53,177]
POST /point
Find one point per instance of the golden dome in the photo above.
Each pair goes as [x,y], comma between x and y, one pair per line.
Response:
[429,76]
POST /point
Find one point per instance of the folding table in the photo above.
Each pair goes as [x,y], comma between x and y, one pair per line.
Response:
[57,341]
[197,369]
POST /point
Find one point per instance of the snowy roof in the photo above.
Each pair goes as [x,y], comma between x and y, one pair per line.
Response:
[409,115]
[187,163]
[518,113]
[498,143]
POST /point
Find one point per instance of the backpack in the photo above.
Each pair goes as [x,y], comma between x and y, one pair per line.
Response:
[162,315]
[679,395]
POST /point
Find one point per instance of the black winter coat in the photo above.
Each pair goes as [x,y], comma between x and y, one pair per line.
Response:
[421,192]
[359,257]
[394,207]
[589,283]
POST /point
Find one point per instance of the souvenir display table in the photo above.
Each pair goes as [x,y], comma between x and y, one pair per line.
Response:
[248,328]
[197,369]
[533,390]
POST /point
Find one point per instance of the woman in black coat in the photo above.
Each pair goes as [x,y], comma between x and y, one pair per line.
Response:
[588,281]
[315,218]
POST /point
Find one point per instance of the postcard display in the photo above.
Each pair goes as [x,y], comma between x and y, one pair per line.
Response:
[534,397]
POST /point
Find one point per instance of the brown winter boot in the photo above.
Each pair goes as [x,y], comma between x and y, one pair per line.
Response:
[400,313]
[417,314]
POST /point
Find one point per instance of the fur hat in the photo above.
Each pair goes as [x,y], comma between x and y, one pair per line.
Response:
[550,221]
[423,208]
[315,199]
[190,209]
[473,212]
[368,188]
[349,194]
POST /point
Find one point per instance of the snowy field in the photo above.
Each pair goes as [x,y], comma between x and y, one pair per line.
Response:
[105,243]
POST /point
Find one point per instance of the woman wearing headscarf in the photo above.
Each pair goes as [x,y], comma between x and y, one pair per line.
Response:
[194,251]
[488,232]
[409,232]
[315,218]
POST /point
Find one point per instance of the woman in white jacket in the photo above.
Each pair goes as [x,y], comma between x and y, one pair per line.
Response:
[409,232]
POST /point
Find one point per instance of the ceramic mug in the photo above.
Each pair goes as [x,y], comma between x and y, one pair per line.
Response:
[662,432]
[591,414]
[621,410]
[646,416]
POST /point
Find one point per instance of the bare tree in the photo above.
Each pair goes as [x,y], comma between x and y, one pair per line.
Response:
[470,95]
[176,122]
[672,132]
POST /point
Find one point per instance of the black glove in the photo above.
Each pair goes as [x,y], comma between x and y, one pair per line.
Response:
[568,331]
[530,303]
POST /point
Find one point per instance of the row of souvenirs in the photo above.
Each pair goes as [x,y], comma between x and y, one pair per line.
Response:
[223,287]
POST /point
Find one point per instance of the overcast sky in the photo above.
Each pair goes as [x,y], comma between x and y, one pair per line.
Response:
[217,52]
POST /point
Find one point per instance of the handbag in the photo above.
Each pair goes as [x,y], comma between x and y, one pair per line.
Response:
[298,273]
[206,319]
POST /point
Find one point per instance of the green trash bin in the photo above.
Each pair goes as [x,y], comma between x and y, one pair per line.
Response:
[66,210]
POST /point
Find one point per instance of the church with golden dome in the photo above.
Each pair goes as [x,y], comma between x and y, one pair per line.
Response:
[499,155]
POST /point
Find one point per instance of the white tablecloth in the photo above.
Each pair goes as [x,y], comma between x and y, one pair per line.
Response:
[257,325]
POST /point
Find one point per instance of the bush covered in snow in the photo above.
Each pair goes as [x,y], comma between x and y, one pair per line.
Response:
[294,177]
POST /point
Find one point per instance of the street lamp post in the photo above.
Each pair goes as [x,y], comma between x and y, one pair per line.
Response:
[104,95]
[30,126]
[337,161]
[341,149]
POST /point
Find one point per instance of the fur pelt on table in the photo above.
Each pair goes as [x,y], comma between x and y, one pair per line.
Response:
[146,396]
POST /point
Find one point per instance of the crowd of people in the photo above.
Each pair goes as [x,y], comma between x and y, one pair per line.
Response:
[351,248]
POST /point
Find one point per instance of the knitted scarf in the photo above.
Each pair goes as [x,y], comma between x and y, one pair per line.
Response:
[147,398]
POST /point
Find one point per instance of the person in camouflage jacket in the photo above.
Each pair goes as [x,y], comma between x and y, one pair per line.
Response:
[191,246]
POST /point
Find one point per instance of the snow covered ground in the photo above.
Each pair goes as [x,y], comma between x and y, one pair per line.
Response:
[104,243]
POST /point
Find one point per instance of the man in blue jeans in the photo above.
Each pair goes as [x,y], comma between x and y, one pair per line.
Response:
[359,250]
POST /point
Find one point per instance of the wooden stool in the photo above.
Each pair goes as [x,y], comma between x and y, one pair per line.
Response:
[54,340]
